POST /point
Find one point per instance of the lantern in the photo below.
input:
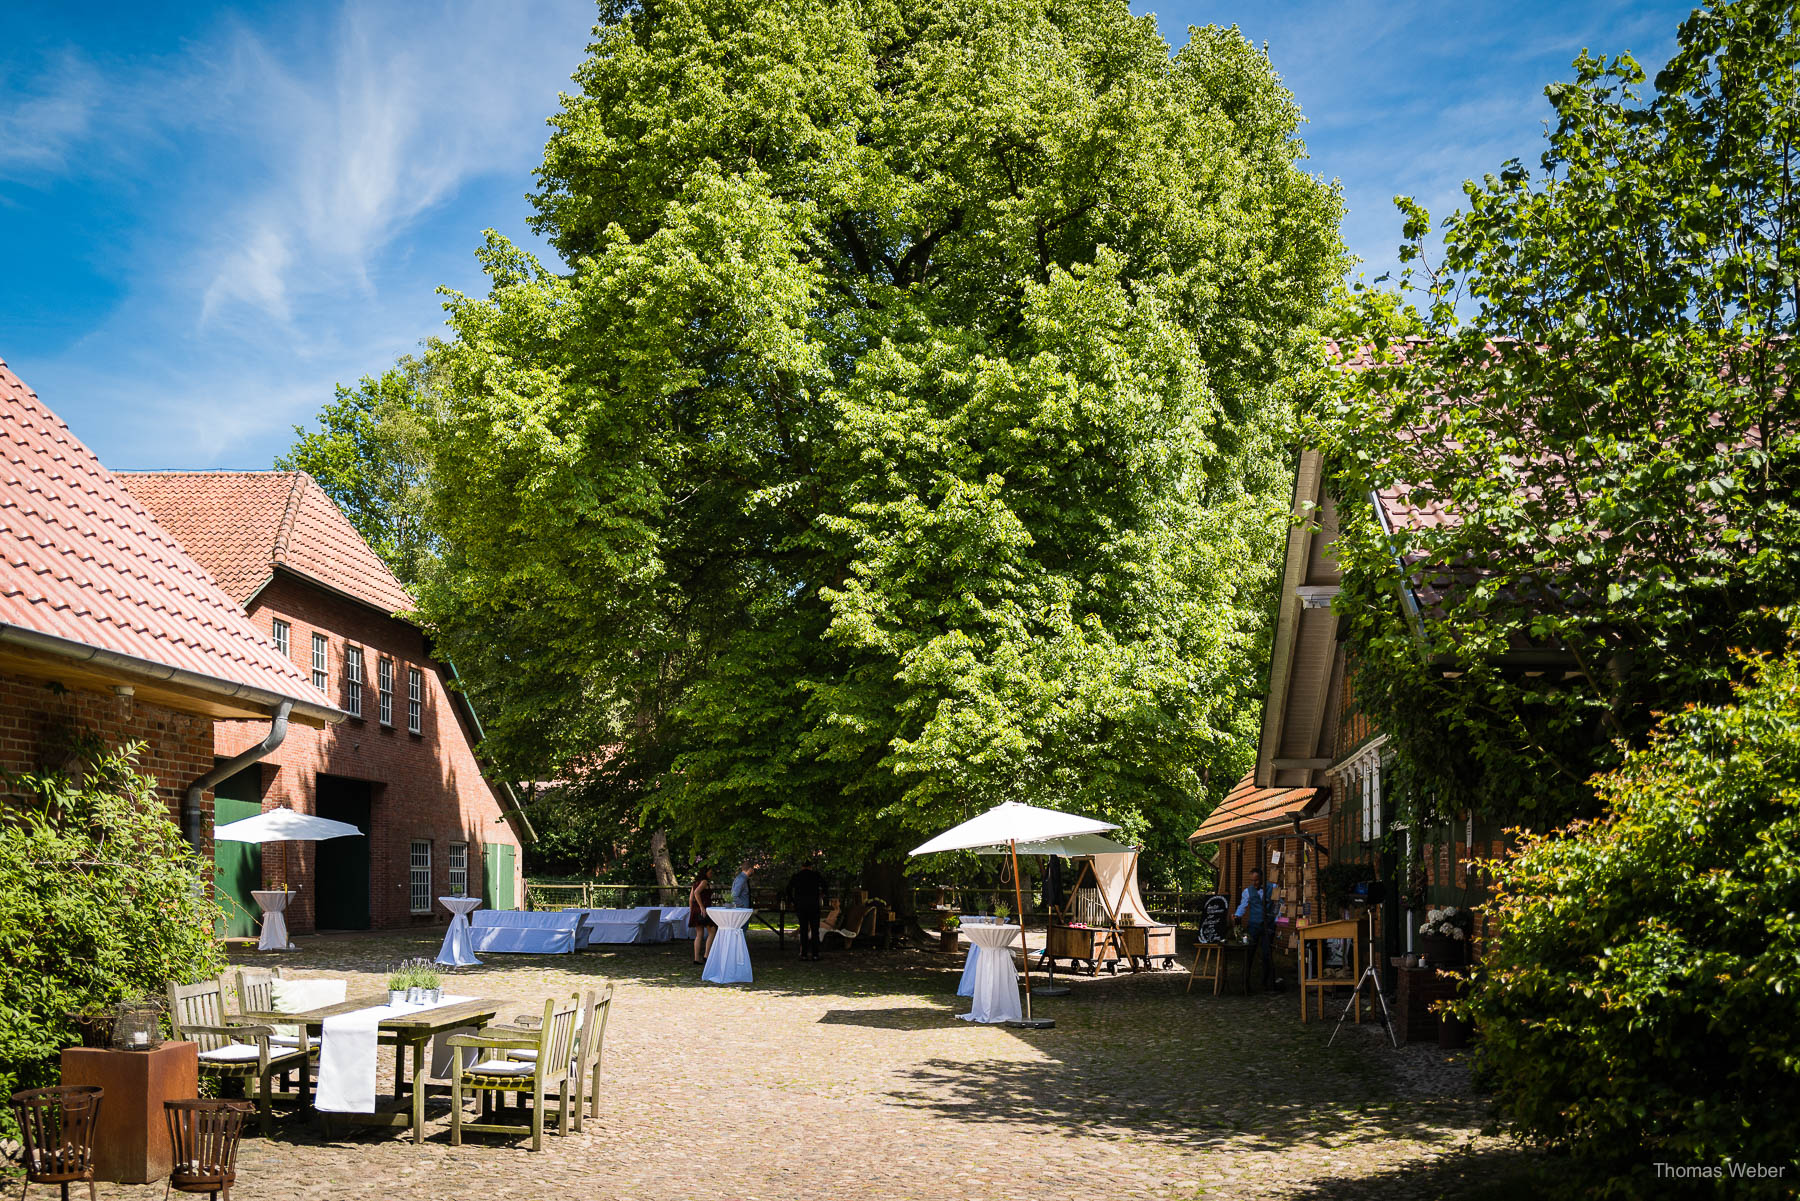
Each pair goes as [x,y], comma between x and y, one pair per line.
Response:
[137,1026]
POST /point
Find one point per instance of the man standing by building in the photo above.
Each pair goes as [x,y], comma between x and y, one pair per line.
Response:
[806,892]
[740,886]
[1257,909]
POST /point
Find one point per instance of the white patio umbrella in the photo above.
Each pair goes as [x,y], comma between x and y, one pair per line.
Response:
[1016,826]
[283,825]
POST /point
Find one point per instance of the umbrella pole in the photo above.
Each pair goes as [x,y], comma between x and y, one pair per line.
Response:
[1024,947]
[285,844]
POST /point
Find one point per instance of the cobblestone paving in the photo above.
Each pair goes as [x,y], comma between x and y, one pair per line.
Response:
[850,1078]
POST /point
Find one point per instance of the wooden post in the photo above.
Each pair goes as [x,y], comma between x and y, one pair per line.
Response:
[1024,947]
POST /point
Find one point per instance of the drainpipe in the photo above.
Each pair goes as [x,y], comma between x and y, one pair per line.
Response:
[190,809]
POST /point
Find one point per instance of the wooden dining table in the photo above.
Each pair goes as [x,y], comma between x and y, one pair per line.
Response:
[409,1030]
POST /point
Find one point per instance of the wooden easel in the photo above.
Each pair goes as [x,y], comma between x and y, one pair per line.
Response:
[1209,964]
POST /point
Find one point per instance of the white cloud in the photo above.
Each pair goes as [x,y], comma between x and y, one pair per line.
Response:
[41,123]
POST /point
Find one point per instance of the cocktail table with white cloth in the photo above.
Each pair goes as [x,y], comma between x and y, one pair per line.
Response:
[965,987]
[274,924]
[348,1050]
[729,960]
[457,950]
[996,979]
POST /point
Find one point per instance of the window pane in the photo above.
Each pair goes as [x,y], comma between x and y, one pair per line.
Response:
[281,635]
[421,876]
[459,869]
[415,687]
[384,673]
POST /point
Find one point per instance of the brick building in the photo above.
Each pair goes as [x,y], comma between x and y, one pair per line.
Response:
[108,628]
[401,766]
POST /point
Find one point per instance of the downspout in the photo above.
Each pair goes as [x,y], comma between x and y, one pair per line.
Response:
[190,808]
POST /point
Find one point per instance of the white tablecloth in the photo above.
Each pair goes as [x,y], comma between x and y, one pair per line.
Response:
[347,1056]
[456,951]
[274,925]
[729,960]
[996,982]
[966,986]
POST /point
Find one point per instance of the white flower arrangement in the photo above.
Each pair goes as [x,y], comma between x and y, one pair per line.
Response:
[1447,922]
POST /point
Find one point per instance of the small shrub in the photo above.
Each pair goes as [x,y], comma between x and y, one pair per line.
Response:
[1641,996]
[100,900]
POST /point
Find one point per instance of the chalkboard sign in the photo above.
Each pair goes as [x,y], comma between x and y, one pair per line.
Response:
[1215,918]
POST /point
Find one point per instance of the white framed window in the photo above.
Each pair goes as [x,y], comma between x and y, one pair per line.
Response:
[282,630]
[320,677]
[459,869]
[384,686]
[415,697]
[353,679]
[421,875]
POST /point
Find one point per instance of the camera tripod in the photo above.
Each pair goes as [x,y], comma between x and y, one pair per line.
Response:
[1371,975]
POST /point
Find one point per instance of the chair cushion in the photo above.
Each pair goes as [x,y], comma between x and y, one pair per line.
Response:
[528,1056]
[501,1067]
[291,1042]
[231,1053]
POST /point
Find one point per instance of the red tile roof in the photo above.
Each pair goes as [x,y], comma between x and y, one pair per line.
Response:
[82,560]
[244,524]
[1247,807]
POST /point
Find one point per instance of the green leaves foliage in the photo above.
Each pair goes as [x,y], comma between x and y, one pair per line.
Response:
[1595,449]
[1641,1001]
[101,900]
[901,431]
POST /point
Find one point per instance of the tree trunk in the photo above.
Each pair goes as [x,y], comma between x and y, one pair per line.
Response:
[665,870]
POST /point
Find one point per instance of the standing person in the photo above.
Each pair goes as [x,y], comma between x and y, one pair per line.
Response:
[699,897]
[806,892]
[740,886]
[1257,908]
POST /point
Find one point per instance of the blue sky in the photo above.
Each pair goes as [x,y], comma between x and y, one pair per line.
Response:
[211,214]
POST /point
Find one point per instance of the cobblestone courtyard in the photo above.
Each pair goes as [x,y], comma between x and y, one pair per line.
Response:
[850,1078]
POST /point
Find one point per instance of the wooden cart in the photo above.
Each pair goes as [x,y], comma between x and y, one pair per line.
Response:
[1091,946]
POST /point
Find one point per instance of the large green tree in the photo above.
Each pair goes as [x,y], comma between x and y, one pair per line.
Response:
[902,430]
[1598,427]
[370,454]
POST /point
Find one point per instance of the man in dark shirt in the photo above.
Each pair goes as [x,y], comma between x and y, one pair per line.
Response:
[806,892]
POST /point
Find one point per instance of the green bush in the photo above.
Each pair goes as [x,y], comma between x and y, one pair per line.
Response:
[100,900]
[1640,1001]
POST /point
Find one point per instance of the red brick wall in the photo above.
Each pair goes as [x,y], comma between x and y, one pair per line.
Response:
[37,719]
[425,786]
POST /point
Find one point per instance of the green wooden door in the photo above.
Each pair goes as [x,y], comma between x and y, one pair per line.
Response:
[237,866]
[341,865]
[497,876]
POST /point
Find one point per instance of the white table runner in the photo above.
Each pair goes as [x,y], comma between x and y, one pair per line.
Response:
[457,951]
[347,1055]
[729,960]
[996,983]
[274,924]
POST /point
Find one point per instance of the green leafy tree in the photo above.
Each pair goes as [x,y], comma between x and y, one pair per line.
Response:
[1639,1002]
[371,456]
[1598,426]
[101,900]
[905,431]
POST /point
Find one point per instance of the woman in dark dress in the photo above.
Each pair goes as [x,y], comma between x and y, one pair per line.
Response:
[699,897]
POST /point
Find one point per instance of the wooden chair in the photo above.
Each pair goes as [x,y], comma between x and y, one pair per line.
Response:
[231,1049]
[857,922]
[497,1072]
[256,994]
[203,1144]
[56,1128]
[590,1039]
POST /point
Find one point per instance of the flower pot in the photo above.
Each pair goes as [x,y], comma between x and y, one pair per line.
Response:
[1444,952]
[396,996]
[433,996]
